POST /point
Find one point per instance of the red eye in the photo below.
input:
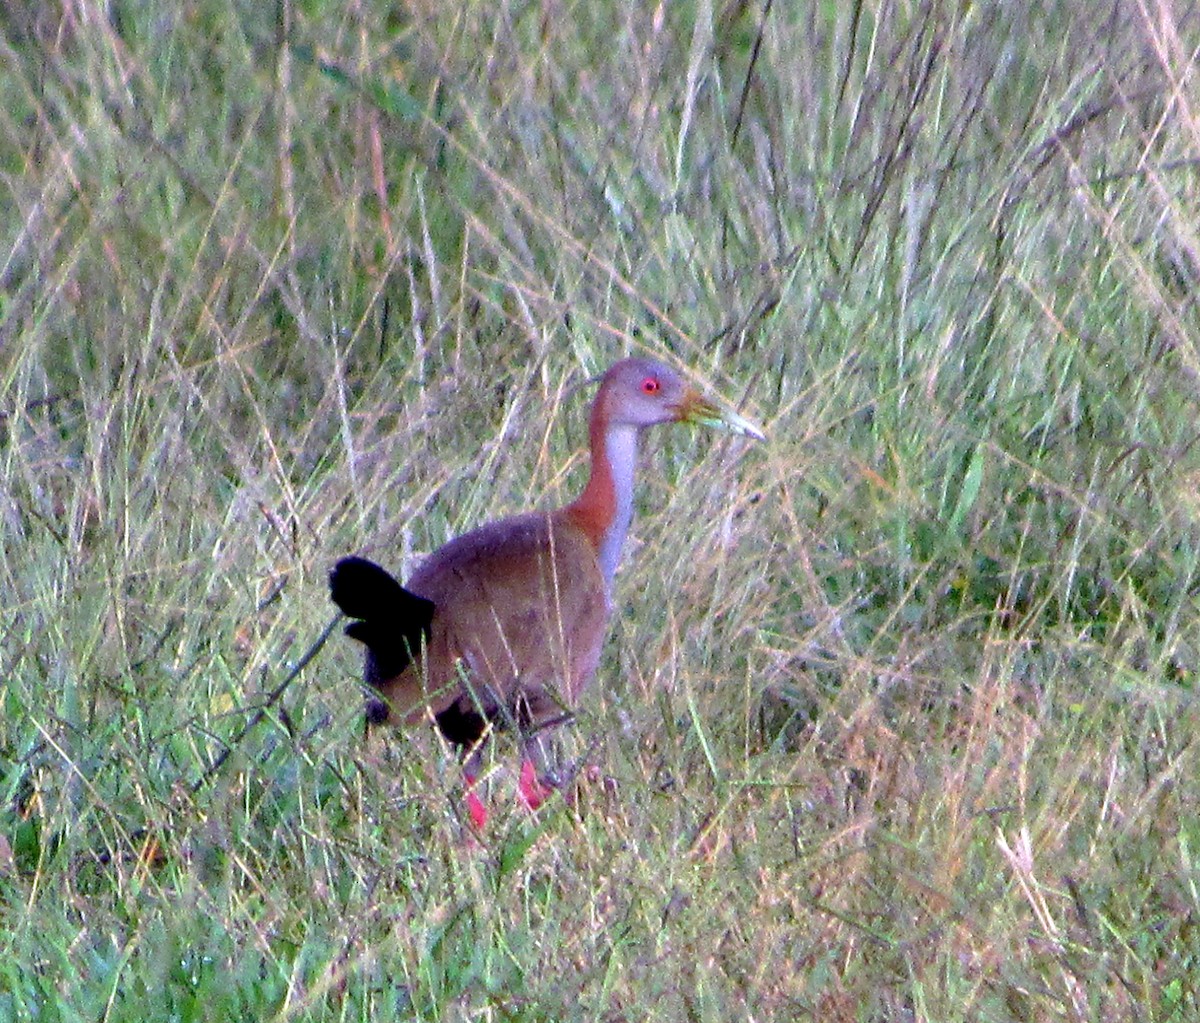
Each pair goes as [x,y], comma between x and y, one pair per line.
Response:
[650,385]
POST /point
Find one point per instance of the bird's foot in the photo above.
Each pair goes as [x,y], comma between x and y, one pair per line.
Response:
[534,792]
[475,805]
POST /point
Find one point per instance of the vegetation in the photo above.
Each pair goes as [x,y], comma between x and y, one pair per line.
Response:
[897,720]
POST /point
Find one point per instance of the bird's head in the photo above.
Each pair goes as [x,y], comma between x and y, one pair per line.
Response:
[642,392]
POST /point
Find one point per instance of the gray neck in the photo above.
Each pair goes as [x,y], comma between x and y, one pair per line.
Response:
[620,446]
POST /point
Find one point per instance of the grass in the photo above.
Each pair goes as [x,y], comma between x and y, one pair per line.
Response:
[897,717]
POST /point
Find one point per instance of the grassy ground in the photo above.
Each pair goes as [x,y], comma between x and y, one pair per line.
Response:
[897,717]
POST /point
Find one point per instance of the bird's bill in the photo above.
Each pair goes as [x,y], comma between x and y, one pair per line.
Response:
[695,408]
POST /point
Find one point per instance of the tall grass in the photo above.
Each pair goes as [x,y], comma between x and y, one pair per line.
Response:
[896,719]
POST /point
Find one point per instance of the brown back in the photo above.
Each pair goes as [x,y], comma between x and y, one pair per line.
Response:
[520,614]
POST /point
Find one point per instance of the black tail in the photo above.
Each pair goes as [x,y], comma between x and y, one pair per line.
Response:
[392,622]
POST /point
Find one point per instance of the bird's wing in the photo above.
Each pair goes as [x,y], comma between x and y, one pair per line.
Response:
[521,605]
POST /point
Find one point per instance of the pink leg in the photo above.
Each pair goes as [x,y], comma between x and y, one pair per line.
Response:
[475,807]
[533,792]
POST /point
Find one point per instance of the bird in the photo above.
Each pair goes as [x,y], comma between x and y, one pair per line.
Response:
[503,626]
